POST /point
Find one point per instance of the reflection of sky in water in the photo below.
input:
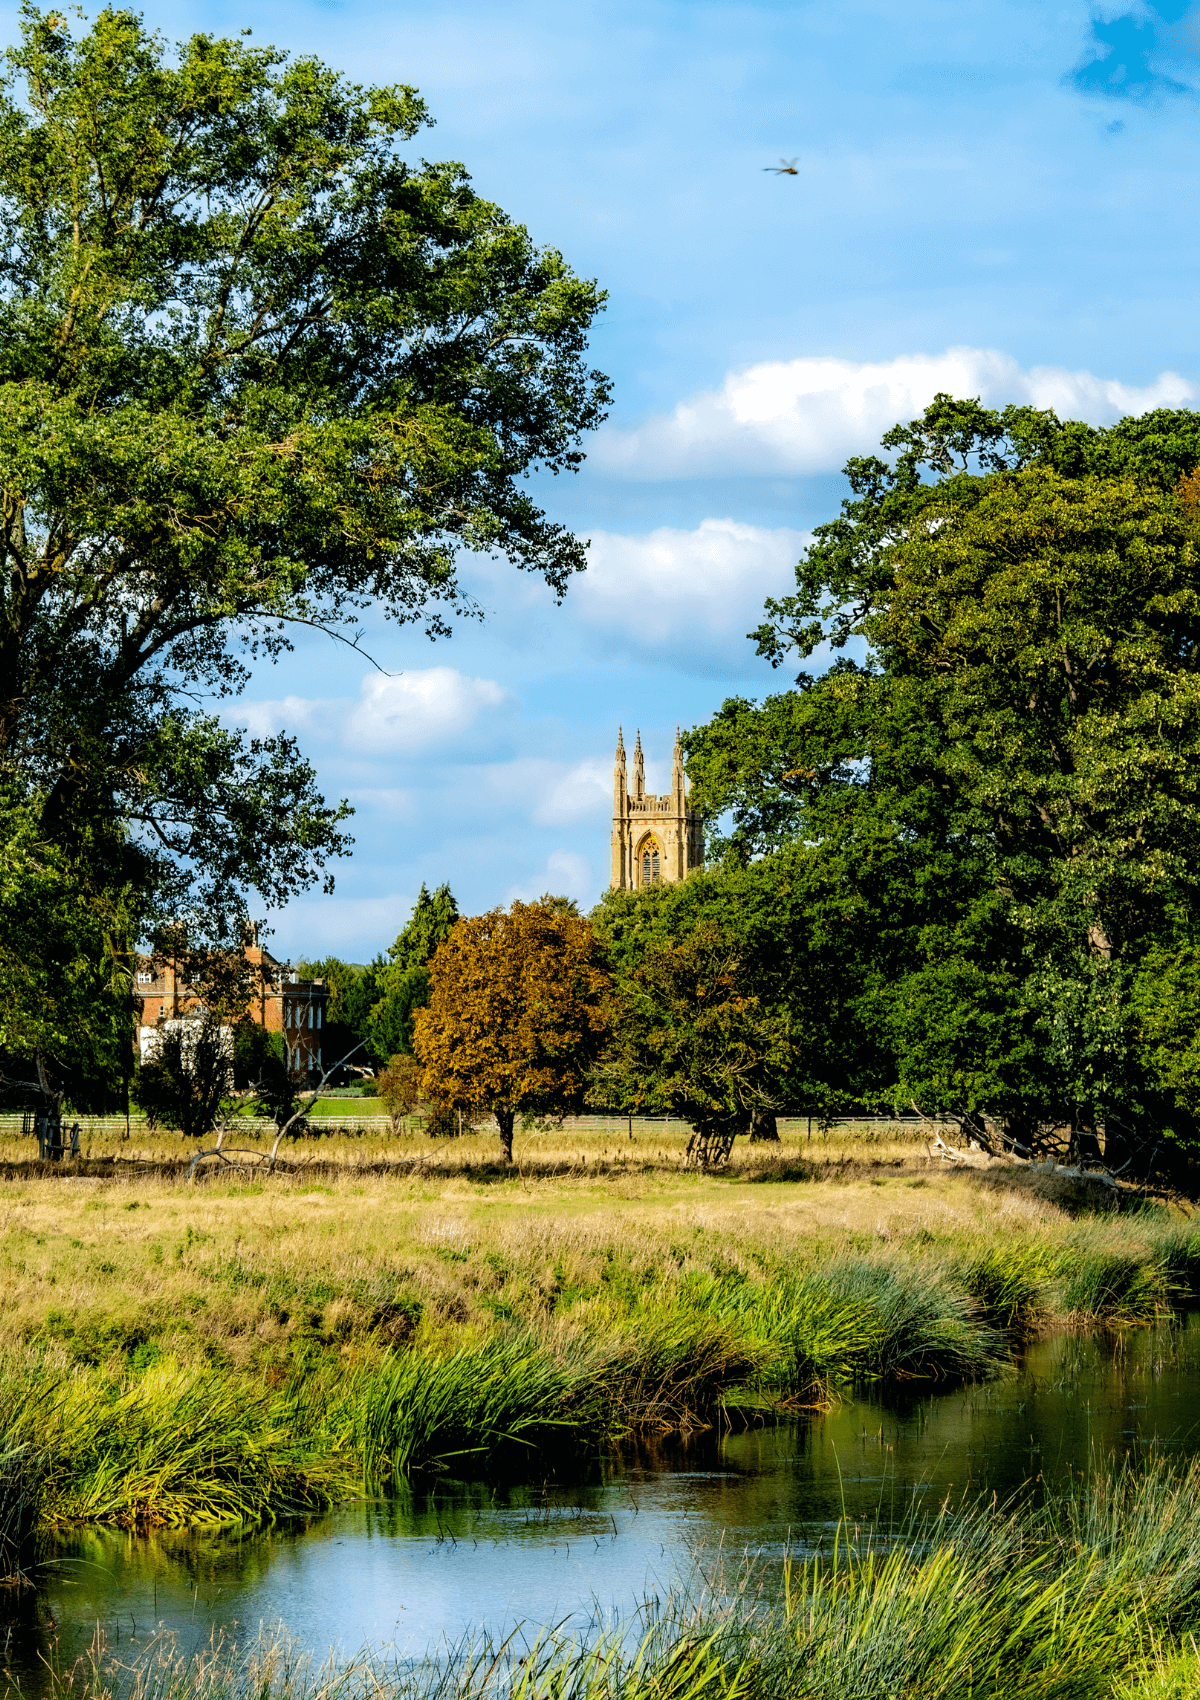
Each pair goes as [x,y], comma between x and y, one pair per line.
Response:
[452,1557]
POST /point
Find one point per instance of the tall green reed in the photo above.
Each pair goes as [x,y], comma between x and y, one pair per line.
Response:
[22,1474]
[171,1446]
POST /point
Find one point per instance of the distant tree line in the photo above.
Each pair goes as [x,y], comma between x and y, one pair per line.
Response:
[955,871]
[373,1005]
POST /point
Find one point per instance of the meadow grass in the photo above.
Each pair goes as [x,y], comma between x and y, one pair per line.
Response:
[247,1346]
[360,1137]
[1096,1594]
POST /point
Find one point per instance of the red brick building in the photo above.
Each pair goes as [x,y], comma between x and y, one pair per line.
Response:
[279,1001]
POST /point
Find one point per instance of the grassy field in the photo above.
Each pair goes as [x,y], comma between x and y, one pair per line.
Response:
[249,1343]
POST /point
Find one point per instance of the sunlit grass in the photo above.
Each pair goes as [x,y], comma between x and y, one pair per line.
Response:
[253,1343]
[576,1145]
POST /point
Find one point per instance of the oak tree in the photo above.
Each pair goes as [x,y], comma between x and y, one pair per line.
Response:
[1011,736]
[260,370]
[690,1034]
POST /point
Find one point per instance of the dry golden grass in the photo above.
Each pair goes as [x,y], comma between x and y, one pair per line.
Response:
[362,1243]
[570,1146]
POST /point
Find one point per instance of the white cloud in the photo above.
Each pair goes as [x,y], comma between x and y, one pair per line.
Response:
[536,788]
[576,792]
[684,594]
[287,714]
[418,709]
[809,415]
[565,874]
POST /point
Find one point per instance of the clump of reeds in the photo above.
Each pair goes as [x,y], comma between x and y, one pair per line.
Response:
[414,1409]
[1010,1285]
[855,1318]
[169,1447]
[22,1477]
[1095,1595]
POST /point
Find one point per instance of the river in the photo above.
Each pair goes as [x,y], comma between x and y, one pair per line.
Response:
[424,1567]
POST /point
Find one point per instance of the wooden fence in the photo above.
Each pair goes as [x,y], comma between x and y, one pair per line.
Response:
[801,1123]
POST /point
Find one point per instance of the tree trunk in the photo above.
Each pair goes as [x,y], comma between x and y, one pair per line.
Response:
[1018,1134]
[504,1121]
[763,1125]
[49,1123]
[1085,1147]
[1118,1148]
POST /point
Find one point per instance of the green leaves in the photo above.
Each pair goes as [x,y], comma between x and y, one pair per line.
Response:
[1007,776]
[256,368]
[1050,632]
[429,925]
[691,1034]
[66,971]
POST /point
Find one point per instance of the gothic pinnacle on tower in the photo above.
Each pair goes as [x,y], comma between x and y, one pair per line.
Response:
[656,840]
[620,794]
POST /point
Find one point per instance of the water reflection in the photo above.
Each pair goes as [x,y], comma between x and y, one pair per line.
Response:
[433,1563]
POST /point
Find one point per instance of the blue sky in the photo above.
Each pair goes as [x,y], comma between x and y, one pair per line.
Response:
[991,199]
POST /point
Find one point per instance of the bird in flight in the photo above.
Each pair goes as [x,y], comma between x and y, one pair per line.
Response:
[785,168]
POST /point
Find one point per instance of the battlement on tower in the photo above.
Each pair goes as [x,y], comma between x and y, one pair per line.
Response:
[656,840]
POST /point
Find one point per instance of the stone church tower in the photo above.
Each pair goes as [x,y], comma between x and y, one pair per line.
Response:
[655,840]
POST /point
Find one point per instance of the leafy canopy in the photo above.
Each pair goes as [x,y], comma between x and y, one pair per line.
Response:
[689,1034]
[258,371]
[1005,754]
[515,1016]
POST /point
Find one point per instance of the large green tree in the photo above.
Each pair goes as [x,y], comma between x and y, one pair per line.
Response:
[258,371]
[1017,721]
[689,1033]
[782,931]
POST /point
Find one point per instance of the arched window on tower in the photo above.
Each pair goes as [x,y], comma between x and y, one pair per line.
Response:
[651,872]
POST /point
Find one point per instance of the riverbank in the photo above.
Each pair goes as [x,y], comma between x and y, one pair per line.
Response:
[246,1347]
[1095,1593]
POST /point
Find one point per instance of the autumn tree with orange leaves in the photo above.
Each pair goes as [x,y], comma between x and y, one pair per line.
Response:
[516,1014]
